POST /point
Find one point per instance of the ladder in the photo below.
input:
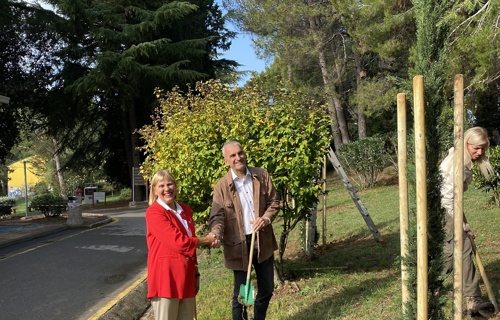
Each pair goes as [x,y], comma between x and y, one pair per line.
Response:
[354,195]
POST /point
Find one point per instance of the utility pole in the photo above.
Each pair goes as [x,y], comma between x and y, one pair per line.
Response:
[25,188]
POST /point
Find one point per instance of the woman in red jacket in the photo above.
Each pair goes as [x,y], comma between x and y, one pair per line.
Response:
[173,278]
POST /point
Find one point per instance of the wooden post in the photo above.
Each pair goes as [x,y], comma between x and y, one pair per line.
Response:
[403,194]
[421,186]
[324,200]
[458,191]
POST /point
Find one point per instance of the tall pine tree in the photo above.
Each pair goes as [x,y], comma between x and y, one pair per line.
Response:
[124,49]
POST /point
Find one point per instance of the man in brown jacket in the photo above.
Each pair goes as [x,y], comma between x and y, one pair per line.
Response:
[244,201]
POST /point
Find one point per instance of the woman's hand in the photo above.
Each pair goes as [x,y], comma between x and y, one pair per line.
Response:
[471,235]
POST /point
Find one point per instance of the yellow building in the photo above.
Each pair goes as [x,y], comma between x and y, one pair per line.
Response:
[16,175]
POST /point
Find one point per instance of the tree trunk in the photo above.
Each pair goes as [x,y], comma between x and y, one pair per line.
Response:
[337,138]
[128,142]
[311,227]
[361,125]
[360,76]
[57,160]
[136,158]
[341,118]
[289,72]
[339,126]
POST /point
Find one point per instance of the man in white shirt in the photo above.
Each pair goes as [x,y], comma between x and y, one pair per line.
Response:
[245,201]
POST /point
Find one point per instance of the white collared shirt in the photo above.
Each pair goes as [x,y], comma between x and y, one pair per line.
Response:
[446,169]
[244,187]
[177,211]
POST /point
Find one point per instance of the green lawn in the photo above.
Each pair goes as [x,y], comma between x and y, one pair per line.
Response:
[352,276]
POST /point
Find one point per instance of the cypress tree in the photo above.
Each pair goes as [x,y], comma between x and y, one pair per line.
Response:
[429,57]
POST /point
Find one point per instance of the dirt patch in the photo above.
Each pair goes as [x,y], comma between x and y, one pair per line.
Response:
[287,288]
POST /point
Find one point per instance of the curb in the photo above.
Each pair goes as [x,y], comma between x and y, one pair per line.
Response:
[132,306]
[94,224]
[100,223]
[32,236]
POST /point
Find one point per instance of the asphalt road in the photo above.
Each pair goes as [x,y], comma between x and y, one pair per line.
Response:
[75,273]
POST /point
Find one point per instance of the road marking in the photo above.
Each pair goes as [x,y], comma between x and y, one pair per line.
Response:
[120,296]
[114,248]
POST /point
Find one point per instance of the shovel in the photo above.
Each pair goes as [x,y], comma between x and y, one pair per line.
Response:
[486,282]
[480,266]
[246,291]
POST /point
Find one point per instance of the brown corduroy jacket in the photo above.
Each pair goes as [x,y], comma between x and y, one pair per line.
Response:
[226,218]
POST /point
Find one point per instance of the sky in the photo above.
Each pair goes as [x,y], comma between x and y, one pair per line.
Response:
[243,52]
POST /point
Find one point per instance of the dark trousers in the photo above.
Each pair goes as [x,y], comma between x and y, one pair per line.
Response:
[470,284]
[265,288]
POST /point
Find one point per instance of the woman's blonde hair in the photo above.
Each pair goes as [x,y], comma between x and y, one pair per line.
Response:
[478,136]
[161,175]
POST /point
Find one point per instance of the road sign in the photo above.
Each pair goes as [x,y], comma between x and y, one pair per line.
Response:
[138,177]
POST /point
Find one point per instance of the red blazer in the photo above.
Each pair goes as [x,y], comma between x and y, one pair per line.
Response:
[172,253]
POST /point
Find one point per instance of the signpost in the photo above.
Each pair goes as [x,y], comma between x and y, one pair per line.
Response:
[99,196]
[137,180]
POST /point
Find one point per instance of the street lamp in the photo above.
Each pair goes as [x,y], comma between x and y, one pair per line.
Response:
[25,188]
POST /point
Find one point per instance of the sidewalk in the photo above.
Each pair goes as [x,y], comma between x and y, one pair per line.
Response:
[131,303]
[13,232]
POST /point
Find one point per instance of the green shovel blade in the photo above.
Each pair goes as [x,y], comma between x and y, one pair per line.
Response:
[246,293]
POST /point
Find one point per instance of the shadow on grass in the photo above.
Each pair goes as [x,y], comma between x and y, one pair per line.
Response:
[370,266]
[356,253]
[336,305]
[374,268]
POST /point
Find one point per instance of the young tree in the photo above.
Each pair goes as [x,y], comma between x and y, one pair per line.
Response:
[282,131]
[430,59]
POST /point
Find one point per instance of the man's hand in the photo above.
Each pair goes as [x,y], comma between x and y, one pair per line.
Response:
[217,240]
[260,223]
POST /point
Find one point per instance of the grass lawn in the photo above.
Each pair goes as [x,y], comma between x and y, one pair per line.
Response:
[351,276]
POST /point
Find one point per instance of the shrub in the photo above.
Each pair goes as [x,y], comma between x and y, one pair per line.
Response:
[50,204]
[492,184]
[126,194]
[366,159]
[41,188]
[6,204]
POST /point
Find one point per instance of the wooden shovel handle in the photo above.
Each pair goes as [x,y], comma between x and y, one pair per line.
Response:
[250,258]
[480,266]
[487,283]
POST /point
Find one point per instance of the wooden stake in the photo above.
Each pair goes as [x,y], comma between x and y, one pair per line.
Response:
[324,200]
[421,184]
[458,192]
[403,195]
